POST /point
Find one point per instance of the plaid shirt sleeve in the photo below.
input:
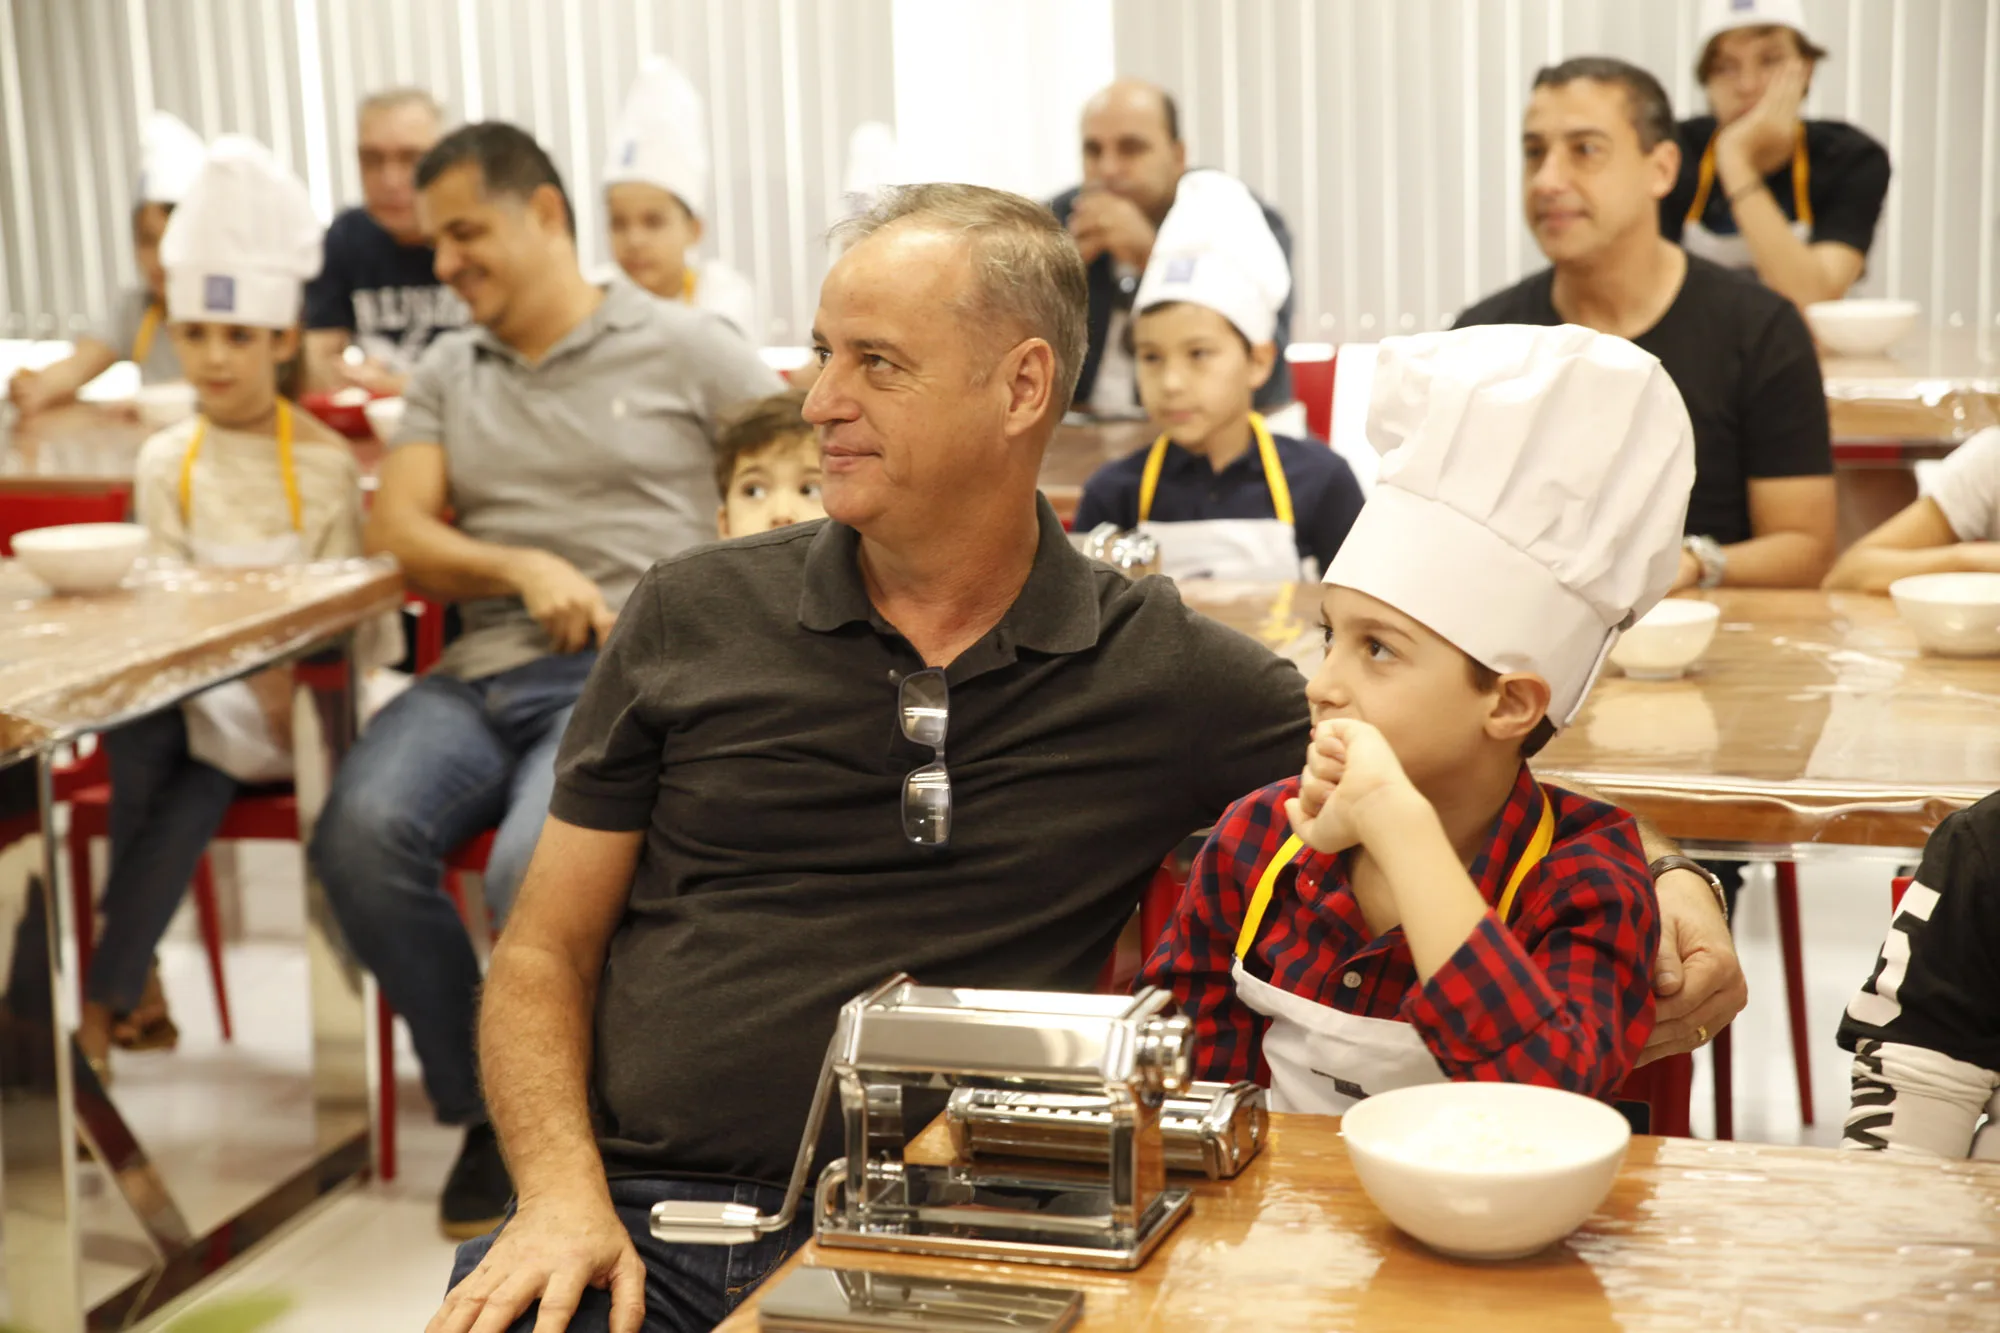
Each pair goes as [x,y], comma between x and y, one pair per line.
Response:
[1195,956]
[1564,997]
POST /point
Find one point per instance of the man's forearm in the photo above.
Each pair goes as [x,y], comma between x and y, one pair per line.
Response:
[1777,560]
[534,1054]
[443,561]
[1784,263]
[1874,568]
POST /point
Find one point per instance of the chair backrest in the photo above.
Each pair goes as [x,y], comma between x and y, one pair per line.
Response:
[22,511]
[1897,888]
[1312,385]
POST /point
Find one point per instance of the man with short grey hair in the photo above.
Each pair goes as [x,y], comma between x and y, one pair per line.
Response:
[377,292]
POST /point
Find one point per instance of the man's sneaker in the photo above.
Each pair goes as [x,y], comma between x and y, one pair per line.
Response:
[477,1190]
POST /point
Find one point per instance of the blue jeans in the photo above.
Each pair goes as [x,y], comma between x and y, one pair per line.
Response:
[689,1288]
[165,809]
[447,760]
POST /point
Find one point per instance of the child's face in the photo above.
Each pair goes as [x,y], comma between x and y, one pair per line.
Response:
[774,487]
[1401,678]
[651,233]
[233,367]
[1196,376]
[149,224]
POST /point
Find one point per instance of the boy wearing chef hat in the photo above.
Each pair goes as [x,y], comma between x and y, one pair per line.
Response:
[171,155]
[655,190]
[1416,907]
[1224,496]
[248,481]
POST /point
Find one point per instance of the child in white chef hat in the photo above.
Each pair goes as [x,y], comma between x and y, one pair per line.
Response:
[248,481]
[1224,496]
[656,189]
[1416,906]
[171,155]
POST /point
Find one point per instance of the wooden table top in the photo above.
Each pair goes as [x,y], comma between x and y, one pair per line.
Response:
[73,664]
[1695,1235]
[1937,385]
[1811,718]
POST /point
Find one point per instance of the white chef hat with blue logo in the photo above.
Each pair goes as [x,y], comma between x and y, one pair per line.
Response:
[1532,495]
[244,241]
[1216,249]
[170,157]
[662,136]
[1720,16]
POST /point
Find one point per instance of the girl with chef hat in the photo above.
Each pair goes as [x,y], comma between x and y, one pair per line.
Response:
[655,189]
[1761,188]
[1223,496]
[1415,906]
[248,481]
[171,157]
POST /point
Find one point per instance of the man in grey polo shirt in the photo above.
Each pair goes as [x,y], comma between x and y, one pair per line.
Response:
[731,850]
[569,434]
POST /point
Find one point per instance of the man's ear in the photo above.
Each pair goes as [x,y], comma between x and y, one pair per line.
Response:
[1664,164]
[1028,369]
[546,206]
[1520,702]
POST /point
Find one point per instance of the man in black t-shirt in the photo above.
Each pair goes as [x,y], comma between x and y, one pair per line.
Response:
[378,291]
[1599,154]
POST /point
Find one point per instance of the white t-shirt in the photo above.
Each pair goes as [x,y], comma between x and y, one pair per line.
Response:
[1967,488]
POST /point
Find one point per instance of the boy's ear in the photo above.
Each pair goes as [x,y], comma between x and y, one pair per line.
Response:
[285,343]
[722,522]
[1263,360]
[1520,702]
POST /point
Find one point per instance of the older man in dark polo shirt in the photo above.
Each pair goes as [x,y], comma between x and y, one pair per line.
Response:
[730,852]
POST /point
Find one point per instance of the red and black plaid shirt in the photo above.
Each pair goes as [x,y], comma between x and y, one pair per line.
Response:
[1561,995]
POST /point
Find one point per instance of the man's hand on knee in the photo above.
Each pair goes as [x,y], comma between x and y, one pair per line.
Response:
[550,1251]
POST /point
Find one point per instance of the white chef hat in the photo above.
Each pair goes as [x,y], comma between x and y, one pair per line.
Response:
[170,157]
[1533,489]
[874,163]
[1720,16]
[1215,249]
[662,136]
[242,244]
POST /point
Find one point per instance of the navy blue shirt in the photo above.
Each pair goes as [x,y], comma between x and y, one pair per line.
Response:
[381,291]
[1326,499]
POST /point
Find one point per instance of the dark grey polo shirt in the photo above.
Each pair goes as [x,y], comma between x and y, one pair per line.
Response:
[744,716]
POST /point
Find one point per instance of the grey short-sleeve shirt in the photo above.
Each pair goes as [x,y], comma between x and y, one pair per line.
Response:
[743,716]
[602,453]
[120,332]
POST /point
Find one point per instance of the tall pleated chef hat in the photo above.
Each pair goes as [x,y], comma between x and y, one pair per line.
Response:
[1215,249]
[1720,16]
[662,136]
[241,245]
[170,157]
[1533,489]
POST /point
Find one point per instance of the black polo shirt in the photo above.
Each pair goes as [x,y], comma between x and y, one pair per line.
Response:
[743,715]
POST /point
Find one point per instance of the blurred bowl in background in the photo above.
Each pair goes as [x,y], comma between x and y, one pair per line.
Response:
[384,415]
[1667,640]
[1861,327]
[163,405]
[1954,615]
[81,557]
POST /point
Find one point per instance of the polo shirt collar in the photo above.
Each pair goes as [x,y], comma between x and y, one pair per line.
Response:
[1056,611]
[623,307]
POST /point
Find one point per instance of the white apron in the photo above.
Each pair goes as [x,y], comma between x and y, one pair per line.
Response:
[1262,550]
[1733,251]
[226,726]
[1323,1060]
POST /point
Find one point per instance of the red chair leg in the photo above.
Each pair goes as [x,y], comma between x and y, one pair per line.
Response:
[1795,983]
[1725,1085]
[209,914]
[385,1095]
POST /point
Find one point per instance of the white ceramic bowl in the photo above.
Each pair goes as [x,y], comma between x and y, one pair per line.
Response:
[1485,1170]
[384,415]
[163,405]
[81,557]
[1667,640]
[1860,327]
[1957,615]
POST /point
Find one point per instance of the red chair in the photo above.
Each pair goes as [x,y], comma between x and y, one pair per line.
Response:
[1664,1087]
[1897,888]
[21,511]
[1792,950]
[1312,384]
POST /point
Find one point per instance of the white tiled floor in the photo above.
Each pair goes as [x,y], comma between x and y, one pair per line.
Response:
[224,1120]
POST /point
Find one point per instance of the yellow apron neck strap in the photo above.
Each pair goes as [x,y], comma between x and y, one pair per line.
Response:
[149,329]
[1260,899]
[285,468]
[1801,179]
[688,284]
[1267,454]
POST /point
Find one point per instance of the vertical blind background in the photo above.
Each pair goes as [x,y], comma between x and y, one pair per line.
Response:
[1385,130]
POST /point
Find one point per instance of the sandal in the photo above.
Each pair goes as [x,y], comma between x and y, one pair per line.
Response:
[148,1027]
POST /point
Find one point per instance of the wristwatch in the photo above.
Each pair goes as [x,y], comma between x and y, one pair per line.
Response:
[1678,862]
[1707,553]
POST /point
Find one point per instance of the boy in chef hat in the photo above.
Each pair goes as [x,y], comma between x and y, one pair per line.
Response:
[248,481]
[655,188]
[171,155]
[1416,907]
[1224,496]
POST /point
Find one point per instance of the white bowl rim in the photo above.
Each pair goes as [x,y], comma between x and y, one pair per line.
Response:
[1677,613]
[1868,306]
[1612,1120]
[1919,587]
[75,535]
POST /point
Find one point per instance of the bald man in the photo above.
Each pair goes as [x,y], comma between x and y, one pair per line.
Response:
[1133,160]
